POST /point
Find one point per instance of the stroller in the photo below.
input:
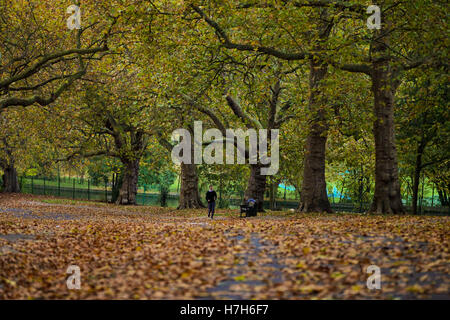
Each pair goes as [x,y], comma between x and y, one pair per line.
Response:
[249,208]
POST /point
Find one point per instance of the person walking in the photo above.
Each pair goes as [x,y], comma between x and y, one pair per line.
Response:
[211,197]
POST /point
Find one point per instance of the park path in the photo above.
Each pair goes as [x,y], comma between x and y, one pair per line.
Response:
[257,264]
[257,267]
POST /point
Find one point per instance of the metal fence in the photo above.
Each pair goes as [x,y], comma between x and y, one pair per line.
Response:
[89,191]
[71,189]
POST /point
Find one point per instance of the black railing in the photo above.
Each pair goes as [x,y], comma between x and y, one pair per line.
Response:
[67,188]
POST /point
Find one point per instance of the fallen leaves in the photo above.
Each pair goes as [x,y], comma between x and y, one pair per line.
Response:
[155,253]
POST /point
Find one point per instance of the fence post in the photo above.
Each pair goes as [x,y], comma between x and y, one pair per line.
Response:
[89,186]
[432,195]
[59,185]
[106,192]
[44,186]
[73,189]
[32,186]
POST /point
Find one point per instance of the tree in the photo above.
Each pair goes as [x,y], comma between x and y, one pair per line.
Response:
[41,74]
[313,194]
[268,113]
[38,62]
[391,54]
[189,194]
[156,170]
[24,144]
[421,107]
[116,126]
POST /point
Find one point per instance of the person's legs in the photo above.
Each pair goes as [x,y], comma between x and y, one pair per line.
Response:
[209,208]
[213,207]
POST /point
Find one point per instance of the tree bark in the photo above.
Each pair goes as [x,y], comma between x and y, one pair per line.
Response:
[443,198]
[387,197]
[273,187]
[128,189]
[314,188]
[10,179]
[189,195]
[256,186]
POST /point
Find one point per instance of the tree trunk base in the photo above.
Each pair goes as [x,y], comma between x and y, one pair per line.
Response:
[313,196]
[10,180]
[320,207]
[128,189]
[189,195]
[256,187]
[191,205]
[386,205]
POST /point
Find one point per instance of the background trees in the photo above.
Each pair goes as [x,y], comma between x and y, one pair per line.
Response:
[395,48]
[422,108]
[39,62]
[344,97]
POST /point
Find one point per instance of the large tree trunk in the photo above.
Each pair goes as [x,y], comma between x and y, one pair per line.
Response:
[128,189]
[314,188]
[387,197]
[10,179]
[256,186]
[189,195]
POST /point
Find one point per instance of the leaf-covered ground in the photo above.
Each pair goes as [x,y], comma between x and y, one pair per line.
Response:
[160,253]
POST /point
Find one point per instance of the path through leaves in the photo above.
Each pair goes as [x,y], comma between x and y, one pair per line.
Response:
[161,253]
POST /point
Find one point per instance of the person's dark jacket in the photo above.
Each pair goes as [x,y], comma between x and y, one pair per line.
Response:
[211,196]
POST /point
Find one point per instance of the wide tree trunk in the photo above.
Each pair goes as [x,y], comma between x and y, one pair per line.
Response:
[387,197]
[313,196]
[256,186]
[128,189]
[189,195]
[10,179]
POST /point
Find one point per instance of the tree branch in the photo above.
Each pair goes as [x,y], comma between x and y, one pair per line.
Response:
[249,121]
[24,102]
[223,37]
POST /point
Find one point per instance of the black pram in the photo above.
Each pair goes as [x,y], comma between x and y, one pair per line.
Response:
[249,208]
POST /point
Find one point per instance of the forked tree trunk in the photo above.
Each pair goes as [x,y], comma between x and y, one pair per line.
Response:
[387,197]
[128,189]
[256,186]
[189,195]
[313,196]
[10,180]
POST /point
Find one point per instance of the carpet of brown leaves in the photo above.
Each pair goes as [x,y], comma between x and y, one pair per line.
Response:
[161,253]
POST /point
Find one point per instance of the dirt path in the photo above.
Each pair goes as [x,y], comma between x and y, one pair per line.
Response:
[256,267]
[135,252]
